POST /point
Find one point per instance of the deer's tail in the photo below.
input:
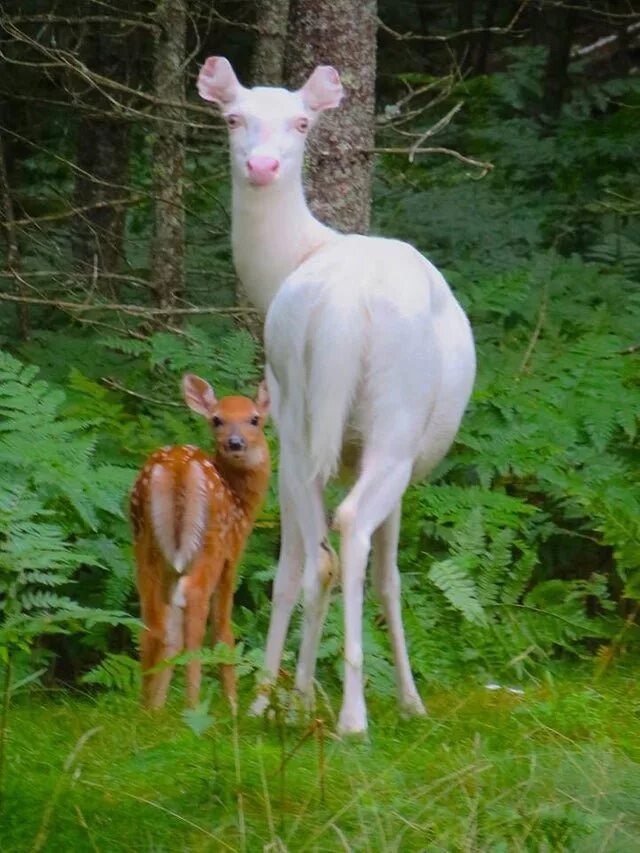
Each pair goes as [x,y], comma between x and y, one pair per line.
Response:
[315,347]
[179,506]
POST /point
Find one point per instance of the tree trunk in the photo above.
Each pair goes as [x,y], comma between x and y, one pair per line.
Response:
[464,43]
[267,63]
[12,258]
[341,33]
[102,157]
[484,39]
[167,245]
[559,22]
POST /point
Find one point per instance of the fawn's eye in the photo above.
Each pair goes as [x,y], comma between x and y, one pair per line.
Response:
[302,124]
[255,420]
[216,421]
[233,121]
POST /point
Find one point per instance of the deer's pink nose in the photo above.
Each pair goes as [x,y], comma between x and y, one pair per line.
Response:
[262,170]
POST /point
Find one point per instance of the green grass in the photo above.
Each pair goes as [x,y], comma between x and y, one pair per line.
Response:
[556,768]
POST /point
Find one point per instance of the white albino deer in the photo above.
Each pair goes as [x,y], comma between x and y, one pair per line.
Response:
[369,356]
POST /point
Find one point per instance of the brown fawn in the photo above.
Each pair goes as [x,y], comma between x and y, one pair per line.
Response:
[191,516]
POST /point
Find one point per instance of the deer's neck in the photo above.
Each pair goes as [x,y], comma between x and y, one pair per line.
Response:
[249,485]
[273,232]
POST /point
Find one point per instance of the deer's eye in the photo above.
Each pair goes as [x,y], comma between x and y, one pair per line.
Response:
[255,420]
[233,121]
[216,421]
[302,124]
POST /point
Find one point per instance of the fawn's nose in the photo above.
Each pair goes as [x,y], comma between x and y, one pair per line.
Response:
[262,170]
[236,443]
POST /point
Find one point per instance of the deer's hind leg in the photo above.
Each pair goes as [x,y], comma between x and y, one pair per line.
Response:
[222,628]
[162,634]
[198,586]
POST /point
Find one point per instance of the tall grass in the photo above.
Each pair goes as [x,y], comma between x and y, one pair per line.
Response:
[553,769]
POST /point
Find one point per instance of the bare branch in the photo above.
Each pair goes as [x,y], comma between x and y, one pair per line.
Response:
[410,36]
[438,126]
[133,310]
[450,152]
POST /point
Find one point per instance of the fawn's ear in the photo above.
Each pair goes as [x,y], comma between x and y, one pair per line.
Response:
[323,90]
[198,395]
[217,81]
[262,400]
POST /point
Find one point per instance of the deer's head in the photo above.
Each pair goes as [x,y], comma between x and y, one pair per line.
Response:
[268,126]
[237,422]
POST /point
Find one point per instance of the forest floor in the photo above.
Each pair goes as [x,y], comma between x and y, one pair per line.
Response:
[554,768]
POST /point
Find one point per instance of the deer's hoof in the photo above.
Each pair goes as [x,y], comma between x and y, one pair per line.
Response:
[259,706]
[412,706]
[352,723]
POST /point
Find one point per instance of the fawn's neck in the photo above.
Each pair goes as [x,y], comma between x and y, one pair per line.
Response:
[248,485]
[273,232]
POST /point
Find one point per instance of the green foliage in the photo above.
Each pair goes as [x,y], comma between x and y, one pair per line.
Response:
[51,489]
[116,672]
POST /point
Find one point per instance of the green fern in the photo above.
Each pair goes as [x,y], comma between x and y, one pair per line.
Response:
[116,672]
[458,588]
[50,474]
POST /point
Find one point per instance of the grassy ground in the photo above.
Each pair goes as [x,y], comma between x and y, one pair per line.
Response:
[555,768]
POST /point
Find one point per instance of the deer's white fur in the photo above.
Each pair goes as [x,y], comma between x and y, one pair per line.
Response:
[367,348]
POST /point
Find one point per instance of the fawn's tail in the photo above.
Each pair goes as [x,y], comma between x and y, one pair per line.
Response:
[178,509]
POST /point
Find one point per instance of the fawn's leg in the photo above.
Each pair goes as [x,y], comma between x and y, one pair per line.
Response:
[195,623]
[158,641]
[198,585]
[222,629]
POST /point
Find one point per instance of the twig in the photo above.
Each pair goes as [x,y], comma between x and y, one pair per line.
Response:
[438,126]
[480,164]
[542,313]
[65,59]
[410,36]
[116,386]
[133,310]
[86,19]
[51,217]
[585,50]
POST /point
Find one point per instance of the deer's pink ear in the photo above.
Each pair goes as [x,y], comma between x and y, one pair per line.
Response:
[262,400]
[217,81]
[198,395]
[323,90]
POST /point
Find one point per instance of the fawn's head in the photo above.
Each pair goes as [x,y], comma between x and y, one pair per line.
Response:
[237,422]
[267,126]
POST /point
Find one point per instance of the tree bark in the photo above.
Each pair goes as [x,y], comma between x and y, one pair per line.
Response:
[559,23]
[167,245]
[102,157]
[464,43]
[12,258]
[484,39]
[341,33]
[267,63]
